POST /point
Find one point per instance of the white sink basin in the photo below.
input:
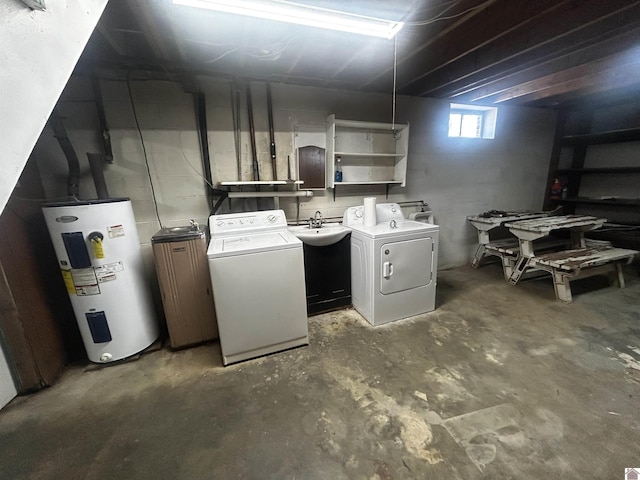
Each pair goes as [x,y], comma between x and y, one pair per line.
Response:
[328,234]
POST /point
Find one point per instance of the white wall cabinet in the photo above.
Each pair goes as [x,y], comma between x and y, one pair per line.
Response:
[371,153]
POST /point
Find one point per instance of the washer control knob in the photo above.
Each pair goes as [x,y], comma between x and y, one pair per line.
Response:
[359,213]
[272,218]
[393,209]
[393,224]
[219,223]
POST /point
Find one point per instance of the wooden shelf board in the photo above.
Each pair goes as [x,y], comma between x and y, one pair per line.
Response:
[613,136]
[371,182]
[585,171]
[612,201]
[358,154]
[260,182]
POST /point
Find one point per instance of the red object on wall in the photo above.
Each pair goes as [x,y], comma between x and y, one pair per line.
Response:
[556,190]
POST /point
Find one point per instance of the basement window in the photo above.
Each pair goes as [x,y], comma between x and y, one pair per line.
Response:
[472,121]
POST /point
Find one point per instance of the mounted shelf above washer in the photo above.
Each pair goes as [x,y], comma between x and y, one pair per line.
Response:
[371,153]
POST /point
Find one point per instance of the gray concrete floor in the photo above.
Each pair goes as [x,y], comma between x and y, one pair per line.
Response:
[499,382]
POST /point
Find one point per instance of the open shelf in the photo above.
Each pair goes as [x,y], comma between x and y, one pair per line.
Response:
[371,182]
[565,171]
[613,201]
[371,153]
[613,136]
[260,183]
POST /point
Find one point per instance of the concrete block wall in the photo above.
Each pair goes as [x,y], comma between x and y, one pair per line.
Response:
[456,177]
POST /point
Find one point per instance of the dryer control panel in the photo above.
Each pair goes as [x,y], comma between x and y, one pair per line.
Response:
[385,213]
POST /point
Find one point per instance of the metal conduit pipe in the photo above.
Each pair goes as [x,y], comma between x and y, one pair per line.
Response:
[203,137]
[272,137]
[73,180]
[96,163]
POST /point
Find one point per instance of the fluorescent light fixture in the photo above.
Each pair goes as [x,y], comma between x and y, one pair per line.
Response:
[291,12]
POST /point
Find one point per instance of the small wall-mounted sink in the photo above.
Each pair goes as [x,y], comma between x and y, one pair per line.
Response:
[328,234]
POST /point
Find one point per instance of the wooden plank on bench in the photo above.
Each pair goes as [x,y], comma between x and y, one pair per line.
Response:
[581,258]
[502,245]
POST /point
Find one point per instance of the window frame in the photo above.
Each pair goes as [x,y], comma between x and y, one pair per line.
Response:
[487,116]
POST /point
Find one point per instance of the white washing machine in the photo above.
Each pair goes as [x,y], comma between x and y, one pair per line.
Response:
[394,264]
[257,277]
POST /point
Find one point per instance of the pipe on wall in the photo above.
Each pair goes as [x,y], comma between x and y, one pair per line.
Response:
[96,163]
[203,136]
[73,180]
[272,137]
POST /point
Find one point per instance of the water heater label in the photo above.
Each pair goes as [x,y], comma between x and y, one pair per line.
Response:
[85,281]
[107,273]
[115,231]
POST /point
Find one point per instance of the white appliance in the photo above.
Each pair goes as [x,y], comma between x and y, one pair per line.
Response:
[257,277]
[393,264]
[99,254]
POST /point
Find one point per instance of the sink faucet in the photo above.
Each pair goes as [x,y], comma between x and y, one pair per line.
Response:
[316,221]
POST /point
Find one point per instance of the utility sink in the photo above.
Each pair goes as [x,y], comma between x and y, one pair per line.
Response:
[328,234]
[185,229]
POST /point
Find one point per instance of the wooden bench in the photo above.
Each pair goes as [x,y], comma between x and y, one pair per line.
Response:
[509,249]
[569,265]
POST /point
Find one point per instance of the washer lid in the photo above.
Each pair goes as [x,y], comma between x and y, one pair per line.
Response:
[252,243]
[403,227]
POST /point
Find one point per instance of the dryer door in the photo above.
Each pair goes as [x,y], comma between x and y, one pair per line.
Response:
[405,265]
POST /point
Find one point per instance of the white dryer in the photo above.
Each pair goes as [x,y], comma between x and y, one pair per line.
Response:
[393,264]
[257,277]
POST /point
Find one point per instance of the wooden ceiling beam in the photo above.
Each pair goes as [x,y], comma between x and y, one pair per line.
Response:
[610,43]
[568,24]
[609,73]
[404,41]
[427,38]
[488,27]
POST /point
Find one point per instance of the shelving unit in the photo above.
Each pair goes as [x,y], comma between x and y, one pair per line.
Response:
[580,143]
[371,153]
[600,166]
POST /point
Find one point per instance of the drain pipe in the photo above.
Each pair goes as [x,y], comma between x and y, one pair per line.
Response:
[105,136]
[252,131]
[272,137]
[203,135]
[96,163]
[73,180]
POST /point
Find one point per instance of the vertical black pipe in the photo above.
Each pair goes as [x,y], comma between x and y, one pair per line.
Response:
[96,162]
[105,136]
[252,131]
[73,180]
[201,118]
[272,137]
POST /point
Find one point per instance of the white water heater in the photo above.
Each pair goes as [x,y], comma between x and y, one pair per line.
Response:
[99,255]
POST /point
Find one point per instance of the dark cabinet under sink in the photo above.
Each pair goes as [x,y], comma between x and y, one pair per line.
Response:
[328,276]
